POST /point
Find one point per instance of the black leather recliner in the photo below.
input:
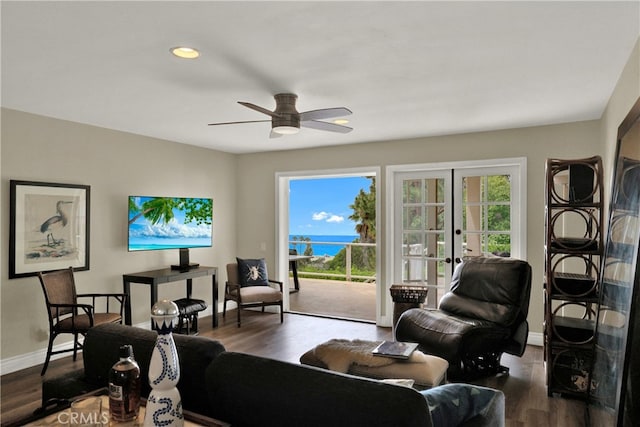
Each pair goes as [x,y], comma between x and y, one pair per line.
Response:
[482,316]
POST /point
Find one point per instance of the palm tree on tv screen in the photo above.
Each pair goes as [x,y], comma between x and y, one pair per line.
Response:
[159,209]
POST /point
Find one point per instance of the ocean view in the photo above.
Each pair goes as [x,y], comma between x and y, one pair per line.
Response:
[320,249]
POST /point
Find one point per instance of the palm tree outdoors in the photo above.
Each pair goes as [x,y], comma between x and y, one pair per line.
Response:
[364,215]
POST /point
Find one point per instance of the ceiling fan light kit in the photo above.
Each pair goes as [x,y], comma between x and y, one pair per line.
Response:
[286,130]
[286,120]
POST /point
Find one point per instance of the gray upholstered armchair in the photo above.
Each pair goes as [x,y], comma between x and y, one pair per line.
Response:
[481,317]
[249,286]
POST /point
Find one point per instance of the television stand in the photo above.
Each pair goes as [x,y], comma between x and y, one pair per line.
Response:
[166,275]
[185,267]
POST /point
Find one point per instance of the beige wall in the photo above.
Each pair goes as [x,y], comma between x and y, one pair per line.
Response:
[115,165]
[626,93]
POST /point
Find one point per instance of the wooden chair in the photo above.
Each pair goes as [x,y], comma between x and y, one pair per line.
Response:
[67,315]
[250,296]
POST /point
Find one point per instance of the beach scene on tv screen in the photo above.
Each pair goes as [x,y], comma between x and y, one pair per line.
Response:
[169,223]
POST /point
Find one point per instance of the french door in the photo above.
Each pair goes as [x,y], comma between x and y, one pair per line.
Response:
[444,214]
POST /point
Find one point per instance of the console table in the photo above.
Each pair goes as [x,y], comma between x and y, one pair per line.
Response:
[167,275]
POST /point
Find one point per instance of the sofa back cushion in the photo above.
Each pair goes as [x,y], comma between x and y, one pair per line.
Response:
[194,354]
[246,390]
[490,288]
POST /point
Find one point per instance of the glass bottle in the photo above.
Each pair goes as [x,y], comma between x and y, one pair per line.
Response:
[164,405]
[124,387]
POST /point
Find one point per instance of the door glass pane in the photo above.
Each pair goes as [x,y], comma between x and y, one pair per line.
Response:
[435,218]
[412,191]
[431,247]
[486,209]
[499,218]
[499,188]
[412,244]
[412,218]
[472,218]
[499,244]
[434,190]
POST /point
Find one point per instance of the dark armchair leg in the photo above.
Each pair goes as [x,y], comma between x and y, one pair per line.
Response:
[483,365]
[48,358]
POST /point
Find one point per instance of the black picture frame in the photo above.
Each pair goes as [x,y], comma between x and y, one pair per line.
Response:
[49,227]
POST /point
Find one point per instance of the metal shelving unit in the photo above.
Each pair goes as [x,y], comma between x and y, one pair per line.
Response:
[573,251]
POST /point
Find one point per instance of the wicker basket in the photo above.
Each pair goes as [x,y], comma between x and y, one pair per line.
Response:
[408,294]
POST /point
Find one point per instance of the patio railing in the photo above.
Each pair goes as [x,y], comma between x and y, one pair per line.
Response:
[348,275]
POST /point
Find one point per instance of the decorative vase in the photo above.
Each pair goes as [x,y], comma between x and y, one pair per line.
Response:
[164,405]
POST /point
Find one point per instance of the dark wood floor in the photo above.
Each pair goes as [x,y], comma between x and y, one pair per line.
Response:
[527,403]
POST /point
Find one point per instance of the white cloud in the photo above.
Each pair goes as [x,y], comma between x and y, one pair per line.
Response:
[319,216]
[327,216]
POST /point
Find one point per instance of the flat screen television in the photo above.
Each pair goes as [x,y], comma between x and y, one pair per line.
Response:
[157,223]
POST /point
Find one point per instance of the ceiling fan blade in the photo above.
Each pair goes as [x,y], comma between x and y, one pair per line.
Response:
[235,123]
[331,127]
[324,113]
[258,108]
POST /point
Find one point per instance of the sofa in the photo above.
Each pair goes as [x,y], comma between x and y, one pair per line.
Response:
[247,390]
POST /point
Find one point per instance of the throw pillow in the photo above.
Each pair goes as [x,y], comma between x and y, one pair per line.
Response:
[252,272]
[452,404]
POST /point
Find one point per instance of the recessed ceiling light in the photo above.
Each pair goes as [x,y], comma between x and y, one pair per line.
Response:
[185,52]
[341,121]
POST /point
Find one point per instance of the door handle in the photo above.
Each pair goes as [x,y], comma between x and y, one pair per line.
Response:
[458,260]
[447,260]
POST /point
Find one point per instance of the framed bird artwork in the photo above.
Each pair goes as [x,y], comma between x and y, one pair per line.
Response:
[49,227]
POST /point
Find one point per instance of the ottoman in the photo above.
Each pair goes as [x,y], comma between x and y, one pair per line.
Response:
[188,317]
[429,371]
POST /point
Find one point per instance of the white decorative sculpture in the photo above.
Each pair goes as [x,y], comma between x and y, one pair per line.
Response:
[164,405]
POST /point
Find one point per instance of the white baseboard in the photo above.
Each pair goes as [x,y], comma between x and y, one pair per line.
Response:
[536,338]
[23,361]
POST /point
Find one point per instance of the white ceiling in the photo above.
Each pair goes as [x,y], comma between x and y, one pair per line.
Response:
[405,69]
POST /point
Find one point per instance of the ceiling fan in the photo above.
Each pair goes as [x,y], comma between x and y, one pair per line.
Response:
[286,120]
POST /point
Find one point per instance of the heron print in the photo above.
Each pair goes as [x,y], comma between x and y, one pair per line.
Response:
[51,227]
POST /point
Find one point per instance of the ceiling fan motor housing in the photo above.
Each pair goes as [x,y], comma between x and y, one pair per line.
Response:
[285,112]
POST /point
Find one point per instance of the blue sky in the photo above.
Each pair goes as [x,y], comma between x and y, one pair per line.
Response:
[320,206]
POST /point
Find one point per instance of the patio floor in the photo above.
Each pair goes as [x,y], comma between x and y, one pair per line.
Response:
[334,298]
